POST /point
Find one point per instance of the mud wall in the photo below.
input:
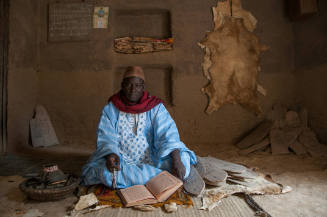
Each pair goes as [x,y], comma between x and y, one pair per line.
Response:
[76,78]
[311,68]
[22,78]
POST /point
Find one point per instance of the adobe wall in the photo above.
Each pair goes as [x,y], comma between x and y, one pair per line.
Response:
[311,68]
[22,78]
[77,78]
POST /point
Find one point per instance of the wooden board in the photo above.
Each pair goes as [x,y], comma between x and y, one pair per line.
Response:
[224,165]
[309,140]
[277,112]
[200,166]
[42,131]
[292,119]
[212,175]
[264,143]
[70,22]
[303,114]
[215,177]
[298,148]
[282,139]
[256,135]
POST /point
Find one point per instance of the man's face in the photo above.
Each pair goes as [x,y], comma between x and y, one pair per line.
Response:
[133,88]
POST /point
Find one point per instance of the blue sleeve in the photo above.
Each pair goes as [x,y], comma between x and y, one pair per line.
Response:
[107,136]
[166,136]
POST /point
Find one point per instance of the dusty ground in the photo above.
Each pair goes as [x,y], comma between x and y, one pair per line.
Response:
[307,176]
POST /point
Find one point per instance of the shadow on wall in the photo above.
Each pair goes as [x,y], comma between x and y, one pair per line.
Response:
[312,88]
[311,68]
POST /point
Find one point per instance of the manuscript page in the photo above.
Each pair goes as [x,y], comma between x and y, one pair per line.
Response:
[164,182]
[136,193]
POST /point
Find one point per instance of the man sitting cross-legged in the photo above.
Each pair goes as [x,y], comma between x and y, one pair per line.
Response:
[137,137]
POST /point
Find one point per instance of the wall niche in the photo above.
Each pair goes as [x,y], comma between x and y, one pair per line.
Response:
[155,23]
[158,81]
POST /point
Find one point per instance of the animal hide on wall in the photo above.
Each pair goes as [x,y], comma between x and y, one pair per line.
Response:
[231,61]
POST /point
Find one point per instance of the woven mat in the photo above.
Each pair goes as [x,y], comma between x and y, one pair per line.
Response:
[107,196]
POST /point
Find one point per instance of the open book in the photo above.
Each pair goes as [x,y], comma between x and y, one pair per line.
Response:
[158,189]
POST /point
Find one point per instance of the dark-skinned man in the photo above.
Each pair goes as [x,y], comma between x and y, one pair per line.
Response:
[137,137]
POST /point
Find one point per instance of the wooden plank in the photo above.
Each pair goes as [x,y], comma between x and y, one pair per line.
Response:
[260,132]
[214,176]
[298,148]
[303,114]
[42,131]
[319,151]
[264,143]
[224,165]
[278,145]
[214,170]
[277,112]
[282,139]
[200,166]
[292,119]
[309,140]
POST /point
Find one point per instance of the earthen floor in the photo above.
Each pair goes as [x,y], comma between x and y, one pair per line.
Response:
[306,175]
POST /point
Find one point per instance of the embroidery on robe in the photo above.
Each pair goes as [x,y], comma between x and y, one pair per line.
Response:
[133,145]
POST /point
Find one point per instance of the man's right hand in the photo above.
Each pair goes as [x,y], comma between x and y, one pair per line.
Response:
[113,162]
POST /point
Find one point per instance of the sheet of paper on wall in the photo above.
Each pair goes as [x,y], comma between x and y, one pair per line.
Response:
[69,22]
[100,17]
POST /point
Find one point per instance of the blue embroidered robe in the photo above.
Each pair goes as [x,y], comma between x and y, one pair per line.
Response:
[160,135]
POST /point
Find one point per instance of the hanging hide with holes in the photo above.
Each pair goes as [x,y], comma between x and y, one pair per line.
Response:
[231,61]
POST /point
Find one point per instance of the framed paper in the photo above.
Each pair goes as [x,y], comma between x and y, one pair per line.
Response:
[100,17]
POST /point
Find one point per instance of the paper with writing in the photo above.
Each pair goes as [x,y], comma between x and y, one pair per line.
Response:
[158,189]
[136,193]
[161,183]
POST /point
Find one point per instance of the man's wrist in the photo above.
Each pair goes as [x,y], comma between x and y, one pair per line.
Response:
[109,155]
[175,155]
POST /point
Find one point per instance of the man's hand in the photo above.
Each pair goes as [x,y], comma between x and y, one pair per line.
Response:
[178,167]
[113,162]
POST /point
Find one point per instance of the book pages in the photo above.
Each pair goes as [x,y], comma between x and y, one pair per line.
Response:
[136,193]
[162,183]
